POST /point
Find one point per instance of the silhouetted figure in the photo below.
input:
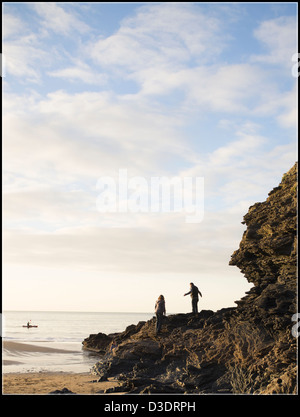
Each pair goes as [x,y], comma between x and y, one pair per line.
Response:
[194,296]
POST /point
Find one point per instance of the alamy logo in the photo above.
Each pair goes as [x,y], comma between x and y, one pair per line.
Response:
[295,67]
[154,195]
[295,331]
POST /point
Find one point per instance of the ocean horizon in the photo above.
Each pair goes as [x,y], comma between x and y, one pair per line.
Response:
[55,345]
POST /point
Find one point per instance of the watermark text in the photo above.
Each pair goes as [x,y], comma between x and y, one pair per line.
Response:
[138,194]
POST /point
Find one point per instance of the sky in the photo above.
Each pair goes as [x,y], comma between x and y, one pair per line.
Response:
[156,90]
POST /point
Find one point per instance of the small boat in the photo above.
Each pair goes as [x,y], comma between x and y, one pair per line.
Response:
[30,325]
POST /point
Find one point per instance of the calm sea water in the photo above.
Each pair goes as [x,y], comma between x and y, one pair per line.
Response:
[56,344]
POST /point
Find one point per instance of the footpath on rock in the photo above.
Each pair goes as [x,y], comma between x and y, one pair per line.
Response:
[247,349]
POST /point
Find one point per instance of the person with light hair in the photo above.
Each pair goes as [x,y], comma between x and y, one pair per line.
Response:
[160,311]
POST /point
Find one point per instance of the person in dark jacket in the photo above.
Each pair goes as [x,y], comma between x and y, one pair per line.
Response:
[194,296]
[160,310]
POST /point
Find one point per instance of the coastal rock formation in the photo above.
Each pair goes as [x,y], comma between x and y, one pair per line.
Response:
[97,343]
[245,349]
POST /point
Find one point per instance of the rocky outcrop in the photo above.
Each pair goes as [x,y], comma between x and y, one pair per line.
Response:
[267,253]
[244,349]
[62,391]
[97,343]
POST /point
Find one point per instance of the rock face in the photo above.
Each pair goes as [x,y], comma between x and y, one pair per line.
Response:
[244,349]
[267,253]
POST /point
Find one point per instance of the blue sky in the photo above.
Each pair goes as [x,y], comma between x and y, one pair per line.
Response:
[160,89]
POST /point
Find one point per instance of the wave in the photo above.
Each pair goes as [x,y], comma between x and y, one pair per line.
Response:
[31,356]
[40,339]
[16,348]
[6,362]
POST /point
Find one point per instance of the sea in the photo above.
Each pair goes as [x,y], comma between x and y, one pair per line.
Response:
[56,344]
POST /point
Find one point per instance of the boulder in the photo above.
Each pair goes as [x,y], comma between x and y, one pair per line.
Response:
[97,343]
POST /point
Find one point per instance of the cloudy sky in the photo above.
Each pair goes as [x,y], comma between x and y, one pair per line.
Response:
[157,89]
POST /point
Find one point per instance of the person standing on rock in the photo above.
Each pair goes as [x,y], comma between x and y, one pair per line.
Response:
[194,296]
[160,310]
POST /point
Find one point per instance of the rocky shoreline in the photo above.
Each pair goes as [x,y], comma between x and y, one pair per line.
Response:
[246,349]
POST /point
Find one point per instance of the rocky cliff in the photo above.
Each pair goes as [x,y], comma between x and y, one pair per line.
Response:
[244,349]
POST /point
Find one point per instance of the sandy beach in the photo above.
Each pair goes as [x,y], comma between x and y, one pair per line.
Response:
[46,382]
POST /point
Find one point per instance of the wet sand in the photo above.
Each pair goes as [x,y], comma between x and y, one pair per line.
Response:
[17,347]
[45,382]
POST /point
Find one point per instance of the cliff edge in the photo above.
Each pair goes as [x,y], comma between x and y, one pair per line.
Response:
[245,349]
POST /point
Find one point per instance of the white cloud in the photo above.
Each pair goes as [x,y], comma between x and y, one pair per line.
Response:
[26,48]
[12,26]
[233,176]
[236,151]
[49,208]
[56,19]
[279,37]
[175,47]
[289,109]
[162,37]
[282,105]
[226,88]
[80,72]
[84,136]
[23,58]
[243,170]
[157,248]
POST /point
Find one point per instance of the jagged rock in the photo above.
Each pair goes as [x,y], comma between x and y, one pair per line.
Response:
[97,342]
[62,391]
[244,349]
[268,248]
[100,342]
